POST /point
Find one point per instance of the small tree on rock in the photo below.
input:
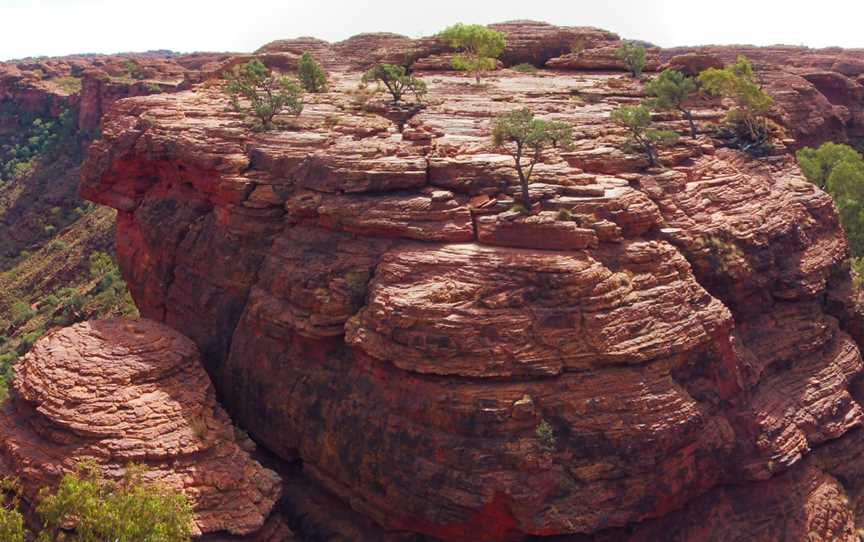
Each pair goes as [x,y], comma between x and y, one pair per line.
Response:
[633,56]
[528,137]
[396,80]
[479,47]
[268,94]
[748,120]
[311,75]
[669,92]
[637,121]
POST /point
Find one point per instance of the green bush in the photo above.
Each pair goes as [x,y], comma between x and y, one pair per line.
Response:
[747,124]
[11,520]
[133,69]
[839,170]
[267,94]
[528,136]
[545,435]
[637,121]
[20,312]
[670,92]
[129,511]
[633,56]
[524,68]
[311,75]
[396,80]
[479,47]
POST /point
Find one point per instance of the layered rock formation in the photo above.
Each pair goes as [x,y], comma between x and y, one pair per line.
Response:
[365,303]
[122,392]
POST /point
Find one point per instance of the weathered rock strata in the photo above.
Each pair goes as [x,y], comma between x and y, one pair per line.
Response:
[366,303]
[121,392]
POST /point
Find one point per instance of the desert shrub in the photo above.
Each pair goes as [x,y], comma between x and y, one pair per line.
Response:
[131,510]
[747,124]
[396,80]
[133,69]
[527,137]
[637,121]
[268,94]
[311,75]
[20,312]
[633,56]
[545,435]
[11,520]
[479,47]
[669,92]
[839,170]
[524,68]
[69,84]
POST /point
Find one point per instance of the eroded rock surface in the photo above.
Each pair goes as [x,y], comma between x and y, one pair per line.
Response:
[366,302]
[122,392]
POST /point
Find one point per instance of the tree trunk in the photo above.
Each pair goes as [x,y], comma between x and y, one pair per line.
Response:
[694,133]
[523,182]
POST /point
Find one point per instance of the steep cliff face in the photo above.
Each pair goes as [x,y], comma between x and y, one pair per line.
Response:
[683,341]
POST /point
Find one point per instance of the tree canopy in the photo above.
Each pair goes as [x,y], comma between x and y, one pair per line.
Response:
[737,82]
[267,94]
[479,47]
[529,137]
[633,56]
[311,75]
[839,170]
[669,92]
[396,80]
[637,121]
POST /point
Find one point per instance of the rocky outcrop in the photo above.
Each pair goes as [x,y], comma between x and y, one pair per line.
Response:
[122,392]
[601,59]
[366,302]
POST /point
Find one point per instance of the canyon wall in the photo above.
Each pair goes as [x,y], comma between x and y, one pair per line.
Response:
[679,342]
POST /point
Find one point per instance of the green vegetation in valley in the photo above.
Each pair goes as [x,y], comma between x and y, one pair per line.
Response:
[479,47]
[396,80]
[747,124]
[669,92]
[311,74]
[633,56]
[527,137]
[87,508]
[643,138]
[34,139]
[839,170]
[267,94]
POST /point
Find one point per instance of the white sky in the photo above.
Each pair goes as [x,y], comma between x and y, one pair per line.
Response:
[59,27]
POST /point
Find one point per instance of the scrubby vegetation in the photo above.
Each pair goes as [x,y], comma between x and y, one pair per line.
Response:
[747,124]
[643,138]
[479,47]
[311,74]
[545,435]
[839,170]
[527,137]
[267,94]
[35,138]
[524,68]
[87,508]
[633,56]
[669,92]
[396,80]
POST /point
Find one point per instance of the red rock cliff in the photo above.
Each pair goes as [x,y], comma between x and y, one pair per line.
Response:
[364,303]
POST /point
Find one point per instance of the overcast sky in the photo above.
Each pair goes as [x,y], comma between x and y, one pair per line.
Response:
[59,27]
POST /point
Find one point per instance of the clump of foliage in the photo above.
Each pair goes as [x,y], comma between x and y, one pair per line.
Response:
[839,170]
[747,124]
[36,138]
[637,121]
[669,92]
[633,56]
[311,74]
[267,94]
[545,435]
[524,68]
[11,520]
[396,80]
[133,69]
[725,257]
[479,47]
[131,510]
[69,84]
[527,138]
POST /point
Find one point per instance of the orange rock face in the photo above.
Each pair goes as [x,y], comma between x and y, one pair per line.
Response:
[647,349]
[123,392]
